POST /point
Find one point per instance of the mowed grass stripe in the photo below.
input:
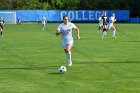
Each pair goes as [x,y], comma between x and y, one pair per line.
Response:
[30,57]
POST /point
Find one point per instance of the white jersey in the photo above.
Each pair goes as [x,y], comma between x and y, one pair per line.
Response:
[111,21]
[100,21]
[67,36]
[1,22]
[67,30]
[43,20]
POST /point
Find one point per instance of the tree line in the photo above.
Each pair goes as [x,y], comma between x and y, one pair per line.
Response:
[132,5]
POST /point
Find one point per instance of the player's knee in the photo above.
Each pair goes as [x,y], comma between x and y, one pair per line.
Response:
[104,29]
[113,28]
[67,50]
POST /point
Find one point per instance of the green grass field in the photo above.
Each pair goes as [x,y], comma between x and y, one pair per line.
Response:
[30,57]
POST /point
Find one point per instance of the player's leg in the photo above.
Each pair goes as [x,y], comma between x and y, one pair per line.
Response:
[19,22]
[99,28]
[104,31]
[113,31]
[1,28]
[67,48]
[43,26]
[68,53]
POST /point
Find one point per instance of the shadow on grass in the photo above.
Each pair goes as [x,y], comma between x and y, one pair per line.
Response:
[131,41]
[29,68]
[32,68]
[54,73]
[126,62]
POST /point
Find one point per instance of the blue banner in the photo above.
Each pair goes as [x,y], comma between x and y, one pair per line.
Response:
[87,15]
[135,20]
[74,15]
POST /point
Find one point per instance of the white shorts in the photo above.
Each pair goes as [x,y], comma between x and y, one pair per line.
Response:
[43,23]
[109,25]
[65,43]
[100,24]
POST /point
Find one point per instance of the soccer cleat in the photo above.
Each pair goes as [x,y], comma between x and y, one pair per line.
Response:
[1,35]
[102,37]
[114,36]
[70,64]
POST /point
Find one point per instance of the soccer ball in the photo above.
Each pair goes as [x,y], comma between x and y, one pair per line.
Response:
[62,69]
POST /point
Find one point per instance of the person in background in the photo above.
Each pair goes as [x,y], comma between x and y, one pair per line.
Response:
[110,25]
[43,20]
[104,18]
[18,21]
[1,26]
[100,23]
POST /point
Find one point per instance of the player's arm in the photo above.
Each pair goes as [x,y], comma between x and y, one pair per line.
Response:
[115,20]
[58,32]
[77,30]
[3,22]
[78,33]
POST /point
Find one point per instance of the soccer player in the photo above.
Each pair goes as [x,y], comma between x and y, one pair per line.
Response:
[100,23]
[110,25]
[43,20]
[18,21]
[1,26]
[104,18]
[65,29]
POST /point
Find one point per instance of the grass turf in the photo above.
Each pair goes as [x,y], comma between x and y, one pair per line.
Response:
[30,57]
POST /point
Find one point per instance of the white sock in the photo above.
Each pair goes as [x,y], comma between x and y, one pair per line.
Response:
[103,34]
[42,28]
[69,56]
[113,33]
